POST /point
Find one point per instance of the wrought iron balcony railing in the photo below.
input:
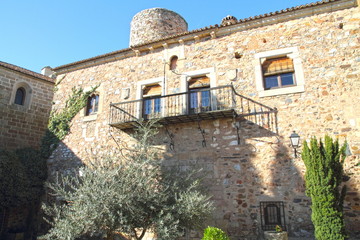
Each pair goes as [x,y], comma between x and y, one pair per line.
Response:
[194,105]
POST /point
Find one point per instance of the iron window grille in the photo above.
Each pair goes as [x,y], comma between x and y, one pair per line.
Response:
[272,215]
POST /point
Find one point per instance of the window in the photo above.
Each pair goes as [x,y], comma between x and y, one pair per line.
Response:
[173,62]
[92,105]
[279,72]
[199,94]
[152,101]
[20,96]
[197,84]
[272,214]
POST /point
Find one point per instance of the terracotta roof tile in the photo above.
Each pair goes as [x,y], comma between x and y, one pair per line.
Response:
[26,71]
[240,21]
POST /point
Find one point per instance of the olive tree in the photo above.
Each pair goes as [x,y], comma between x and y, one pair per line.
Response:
[131,195]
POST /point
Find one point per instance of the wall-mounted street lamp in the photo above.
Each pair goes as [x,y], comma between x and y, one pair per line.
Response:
[295,140]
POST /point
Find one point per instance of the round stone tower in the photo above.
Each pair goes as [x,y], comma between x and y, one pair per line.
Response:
[155,23]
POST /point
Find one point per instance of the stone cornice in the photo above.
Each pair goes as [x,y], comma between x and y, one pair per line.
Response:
[26,72]
[213,32]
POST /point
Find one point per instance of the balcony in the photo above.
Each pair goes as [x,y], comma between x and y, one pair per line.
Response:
[195,105]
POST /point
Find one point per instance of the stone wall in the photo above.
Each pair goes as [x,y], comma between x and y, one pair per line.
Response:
[23,125]
[262,166]
[155,23]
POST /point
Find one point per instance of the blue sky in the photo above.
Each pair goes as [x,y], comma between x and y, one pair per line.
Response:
[38,33]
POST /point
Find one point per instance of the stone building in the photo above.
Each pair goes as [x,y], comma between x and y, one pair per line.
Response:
[25,104]
[25,99]
[229,96]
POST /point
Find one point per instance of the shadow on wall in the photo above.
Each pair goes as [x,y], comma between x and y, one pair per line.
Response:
[246,164]
[261,169]
[23,173]
[352,198]
[62,161]
[268,175]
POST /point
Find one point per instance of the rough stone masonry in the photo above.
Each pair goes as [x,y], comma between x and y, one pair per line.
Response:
[248,159]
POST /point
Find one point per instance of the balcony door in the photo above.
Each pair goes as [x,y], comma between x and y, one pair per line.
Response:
[199,95]
[152,101]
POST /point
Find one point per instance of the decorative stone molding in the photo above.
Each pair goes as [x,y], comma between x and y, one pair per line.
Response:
[99,91]
[197,39]
[141,86]
[137,52]
[209,72]
[28,93]
[292,53]
[175,51]
[242,25]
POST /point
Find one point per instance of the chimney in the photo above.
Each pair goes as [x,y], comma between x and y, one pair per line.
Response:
[47,71]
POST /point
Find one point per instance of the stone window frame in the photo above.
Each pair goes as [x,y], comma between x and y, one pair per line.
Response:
[178,50]
[27,86]
[20,96]
[291,52]
[187,76]
[279,213]
[89,106]
[173,63]
[92,117]
[141,85]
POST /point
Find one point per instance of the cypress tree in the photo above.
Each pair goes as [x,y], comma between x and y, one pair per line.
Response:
[324,172]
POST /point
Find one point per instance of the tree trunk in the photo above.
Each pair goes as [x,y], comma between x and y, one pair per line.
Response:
[141,235]
[110,235]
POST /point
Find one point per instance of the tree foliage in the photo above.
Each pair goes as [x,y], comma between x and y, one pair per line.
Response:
[22,175]
[324,172]
[131,195]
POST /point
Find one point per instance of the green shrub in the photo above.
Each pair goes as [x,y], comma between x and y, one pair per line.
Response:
[323,178]
[213,233]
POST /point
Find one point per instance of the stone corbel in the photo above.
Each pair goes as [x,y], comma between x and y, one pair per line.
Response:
[213,35]
[137,52]
[197,39]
